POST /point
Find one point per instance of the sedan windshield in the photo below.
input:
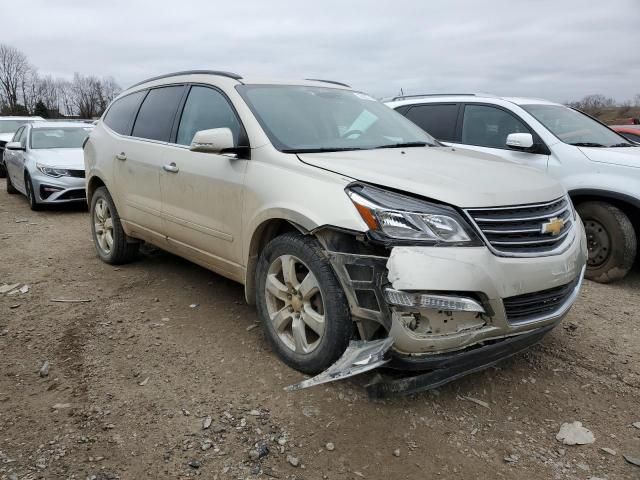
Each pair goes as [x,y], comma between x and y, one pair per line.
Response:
[10,126]
[575,128]
[67,137]
[316,119]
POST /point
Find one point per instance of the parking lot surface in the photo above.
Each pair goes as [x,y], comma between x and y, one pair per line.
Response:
[142,357]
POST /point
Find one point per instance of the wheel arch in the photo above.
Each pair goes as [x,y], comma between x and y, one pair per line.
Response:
[261,236]
[628,204]
[93,184]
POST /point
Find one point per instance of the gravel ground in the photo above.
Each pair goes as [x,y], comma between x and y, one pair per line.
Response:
[164,348]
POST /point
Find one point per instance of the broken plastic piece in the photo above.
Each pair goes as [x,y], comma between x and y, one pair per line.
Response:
[359,357]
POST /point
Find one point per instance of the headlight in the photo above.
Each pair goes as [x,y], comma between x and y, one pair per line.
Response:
[52,172]
[392,216]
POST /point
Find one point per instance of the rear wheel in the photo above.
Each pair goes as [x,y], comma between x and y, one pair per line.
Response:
[10,188]
[611,240]
[302,306]
[112,244]
[31,196]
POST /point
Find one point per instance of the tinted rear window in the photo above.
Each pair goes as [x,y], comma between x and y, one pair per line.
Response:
[438,120]
[121,113]
[156,115]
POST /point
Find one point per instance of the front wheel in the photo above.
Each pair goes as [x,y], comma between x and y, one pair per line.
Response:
[10,188]
[301,304]
[112,244]
[611,240]
[31,195]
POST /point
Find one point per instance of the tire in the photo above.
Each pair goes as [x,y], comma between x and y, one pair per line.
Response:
[112,244]
[31,196]
[3,168]
[10,188]
[317,351]
[611,240]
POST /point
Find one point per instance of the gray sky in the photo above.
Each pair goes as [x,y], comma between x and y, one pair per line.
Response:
[556,49]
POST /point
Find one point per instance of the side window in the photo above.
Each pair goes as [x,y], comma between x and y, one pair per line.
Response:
[156,115]
[487,126]
[17,135]
[204,109]
[120,115]
[439,120]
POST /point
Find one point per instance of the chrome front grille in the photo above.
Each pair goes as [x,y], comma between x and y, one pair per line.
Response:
[525,230]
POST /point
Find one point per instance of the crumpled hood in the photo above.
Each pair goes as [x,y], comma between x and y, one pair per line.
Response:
[626,156]
[459,177]
[6,137]
[70,158]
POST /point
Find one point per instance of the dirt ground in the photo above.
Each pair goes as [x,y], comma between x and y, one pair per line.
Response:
[163,344]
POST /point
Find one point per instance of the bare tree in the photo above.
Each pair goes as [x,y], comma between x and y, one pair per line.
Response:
[65,96]
[50,95]
[593,104]
[30,89]
[14,67]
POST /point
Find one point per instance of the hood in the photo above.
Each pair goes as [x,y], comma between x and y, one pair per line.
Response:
[69,158]
[6,137]
[625,156]
[462,178]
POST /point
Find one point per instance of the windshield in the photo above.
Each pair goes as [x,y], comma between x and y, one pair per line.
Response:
[10,126]
[70,137]
[575,128]
[317,119]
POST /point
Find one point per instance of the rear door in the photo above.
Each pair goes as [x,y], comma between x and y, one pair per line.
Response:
[485,128]
[14,159]
[440,120]
[203,192]
[141,155]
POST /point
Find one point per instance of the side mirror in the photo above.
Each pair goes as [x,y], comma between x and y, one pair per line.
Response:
[520,141]
[14,146]
[215,140]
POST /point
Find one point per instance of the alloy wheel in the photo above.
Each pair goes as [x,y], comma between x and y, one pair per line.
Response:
[294,304]
[103,225]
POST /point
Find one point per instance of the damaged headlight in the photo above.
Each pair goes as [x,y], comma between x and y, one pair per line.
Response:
[393,216]
[52,172]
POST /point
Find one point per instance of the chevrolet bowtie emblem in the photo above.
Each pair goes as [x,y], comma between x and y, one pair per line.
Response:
[553,226]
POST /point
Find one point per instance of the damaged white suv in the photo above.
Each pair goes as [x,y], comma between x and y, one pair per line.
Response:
[344,221]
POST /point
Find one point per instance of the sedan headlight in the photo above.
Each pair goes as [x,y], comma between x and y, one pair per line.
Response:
[402,219]
[53,172]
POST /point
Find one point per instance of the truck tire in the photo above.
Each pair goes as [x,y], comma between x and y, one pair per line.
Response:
[611,240]
[303,309]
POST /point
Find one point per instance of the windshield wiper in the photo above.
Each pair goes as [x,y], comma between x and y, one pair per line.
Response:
[586,144]
[621,145]
[320,150]
[406,145]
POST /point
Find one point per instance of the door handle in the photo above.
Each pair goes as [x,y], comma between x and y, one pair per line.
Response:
[121,156]
[172,168]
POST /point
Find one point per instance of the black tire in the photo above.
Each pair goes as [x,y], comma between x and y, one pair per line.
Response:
[10,188]
[3,168]
[338,326]
[123,248]
[611,240]
[31,195]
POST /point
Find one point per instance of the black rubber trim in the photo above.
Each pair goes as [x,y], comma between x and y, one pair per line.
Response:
[446,368]
[218,73]
[603,195]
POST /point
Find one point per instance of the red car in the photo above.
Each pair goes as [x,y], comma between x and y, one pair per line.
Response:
[630,132]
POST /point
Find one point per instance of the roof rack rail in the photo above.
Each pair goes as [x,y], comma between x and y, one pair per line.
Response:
[401,97]
[328,81]
[219,73]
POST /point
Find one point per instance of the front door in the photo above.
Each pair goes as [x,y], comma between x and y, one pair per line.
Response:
[202,193]
[485,129]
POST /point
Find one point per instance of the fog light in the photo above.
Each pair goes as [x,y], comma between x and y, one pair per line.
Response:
[434,302]
[46,191]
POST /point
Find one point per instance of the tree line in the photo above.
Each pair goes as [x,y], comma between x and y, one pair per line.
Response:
[23,91]
[597,103]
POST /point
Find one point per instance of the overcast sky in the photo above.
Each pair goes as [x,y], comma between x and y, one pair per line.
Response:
[555,49]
